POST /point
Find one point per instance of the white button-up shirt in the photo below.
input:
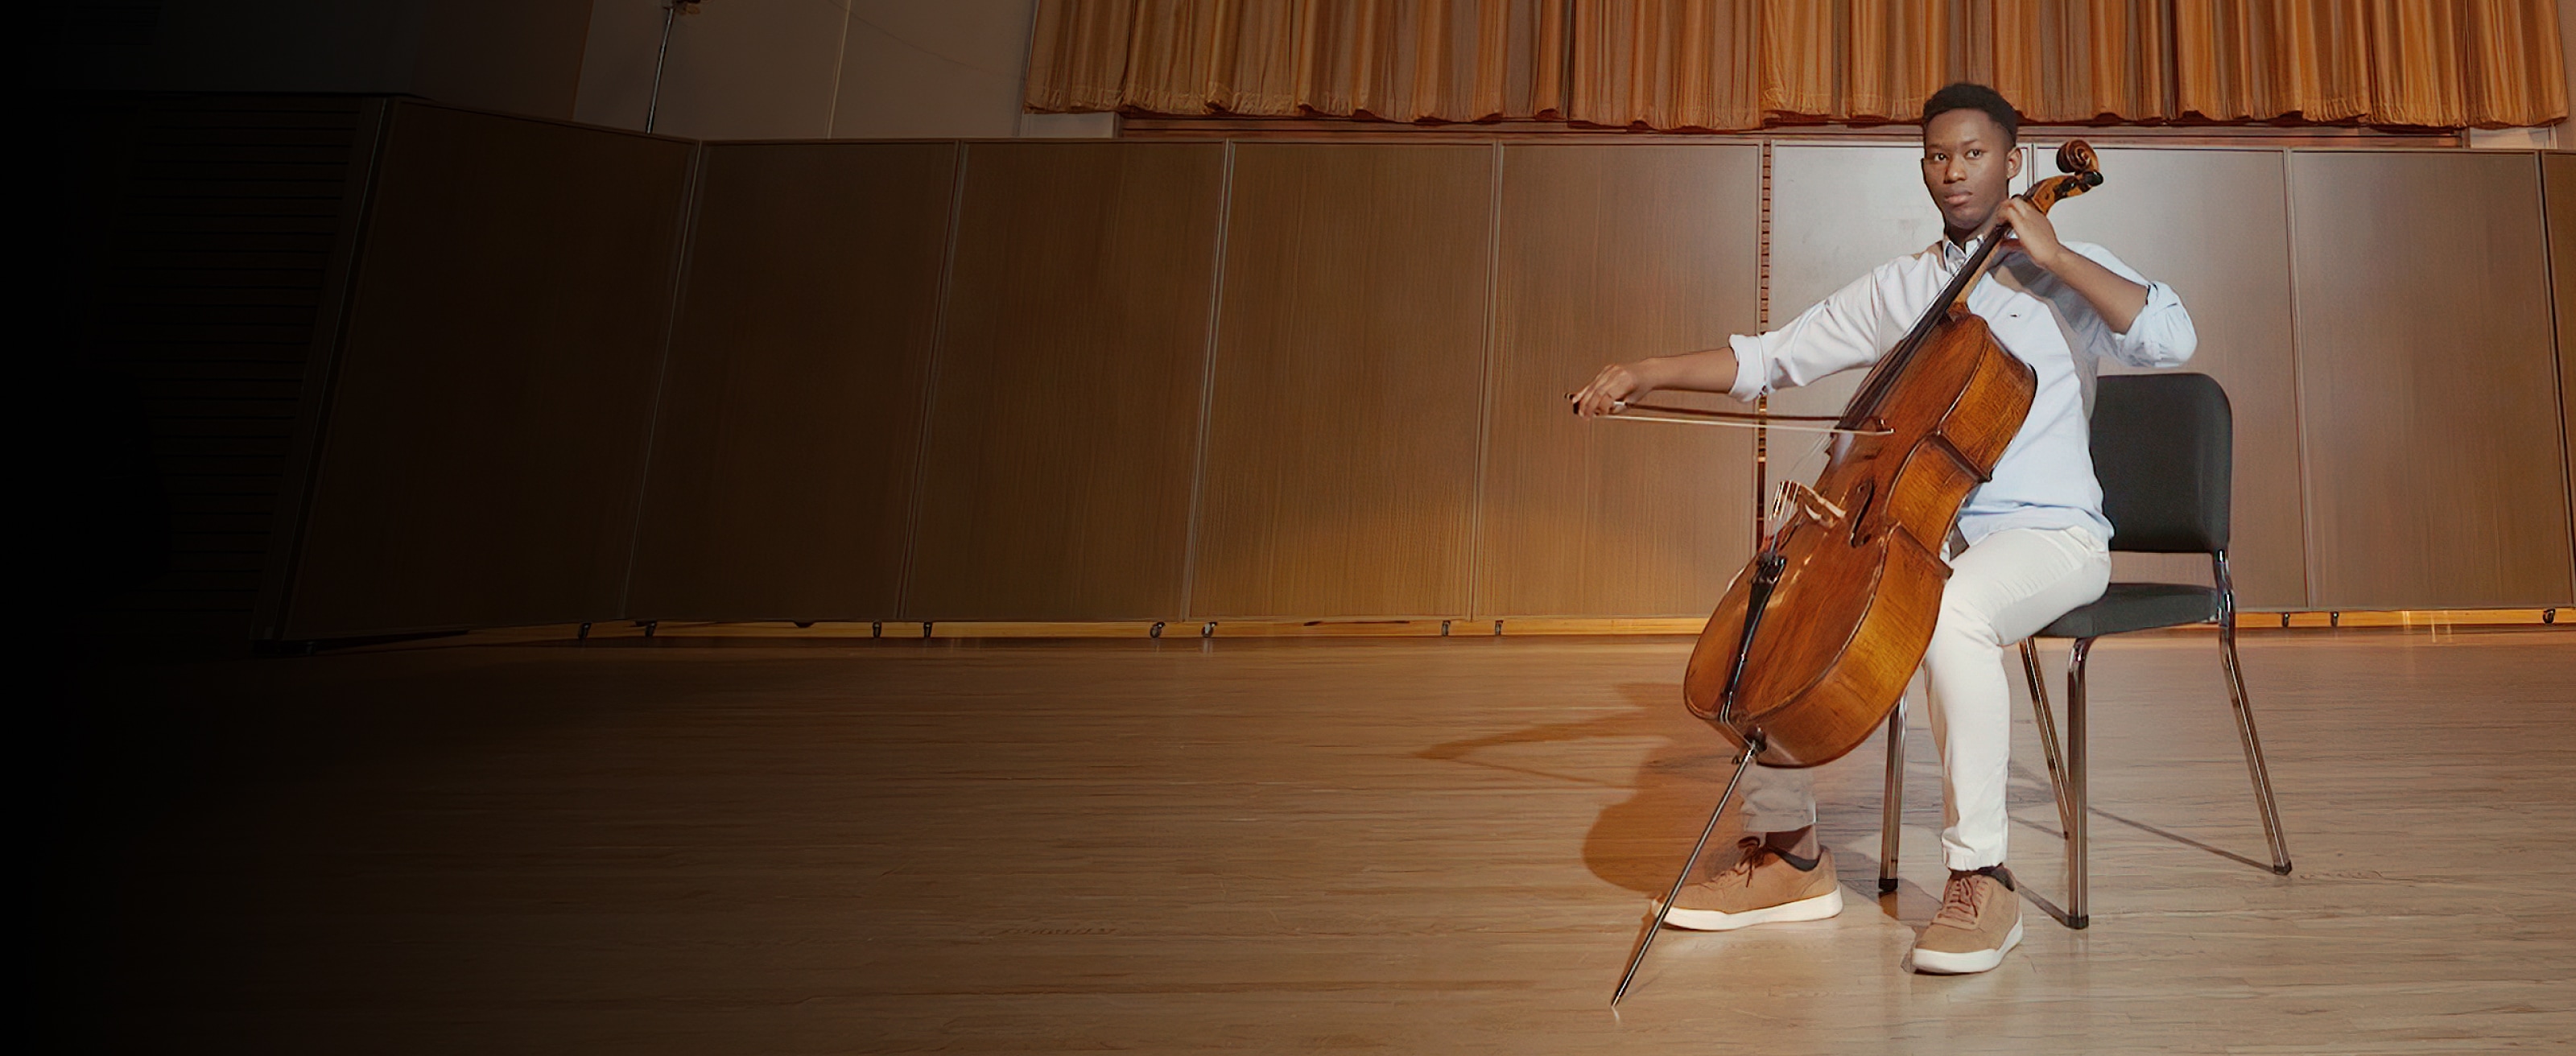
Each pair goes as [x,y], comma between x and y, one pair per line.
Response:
[2045,479]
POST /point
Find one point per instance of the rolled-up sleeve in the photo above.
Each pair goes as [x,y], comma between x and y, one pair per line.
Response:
[2161,335]
[1842,331]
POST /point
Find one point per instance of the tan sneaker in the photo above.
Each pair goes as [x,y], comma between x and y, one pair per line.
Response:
[1979,922]
[1761,887]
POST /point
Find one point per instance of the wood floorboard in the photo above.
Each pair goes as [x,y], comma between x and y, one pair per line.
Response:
[1400,845]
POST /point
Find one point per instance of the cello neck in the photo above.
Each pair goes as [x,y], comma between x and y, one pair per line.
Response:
[1954,296]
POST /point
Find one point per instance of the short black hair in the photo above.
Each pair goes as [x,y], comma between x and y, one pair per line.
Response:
[1968,96]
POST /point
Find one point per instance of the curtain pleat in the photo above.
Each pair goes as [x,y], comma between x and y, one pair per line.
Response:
[1078,57]
[2079,61]
[2415,62]
[1800,45]
[1667,64]
[2264,60]
[2510,75]
[1255,69]
[1897,55]
[1742,64]
[1169,55]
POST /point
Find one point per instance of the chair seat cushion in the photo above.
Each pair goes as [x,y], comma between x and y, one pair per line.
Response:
[2137,607]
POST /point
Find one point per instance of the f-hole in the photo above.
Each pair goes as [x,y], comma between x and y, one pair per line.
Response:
[1862,498]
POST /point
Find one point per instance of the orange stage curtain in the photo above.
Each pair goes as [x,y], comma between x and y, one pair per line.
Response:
[2081,61]
[1745,64]
[2509,70]
[1078,59]
[1666,63]
[2261,60]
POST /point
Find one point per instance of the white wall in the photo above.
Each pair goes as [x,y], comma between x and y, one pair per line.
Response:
[814,69]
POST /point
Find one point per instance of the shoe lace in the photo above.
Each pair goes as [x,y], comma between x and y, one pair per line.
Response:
[1741,872]
[1960,899]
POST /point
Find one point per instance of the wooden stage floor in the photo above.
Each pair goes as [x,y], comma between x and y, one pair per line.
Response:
[1416,845]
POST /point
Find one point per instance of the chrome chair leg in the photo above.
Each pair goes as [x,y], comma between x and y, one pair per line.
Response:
[2078,823]
[1892,800]
[2271,809]
[2046,717]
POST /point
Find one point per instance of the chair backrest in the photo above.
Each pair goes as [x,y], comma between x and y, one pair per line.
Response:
[2163,448]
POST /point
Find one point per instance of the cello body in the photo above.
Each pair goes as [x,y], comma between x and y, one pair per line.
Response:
[1859,589]
[1815,641]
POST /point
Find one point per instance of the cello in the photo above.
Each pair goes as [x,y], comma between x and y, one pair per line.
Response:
[1814,642]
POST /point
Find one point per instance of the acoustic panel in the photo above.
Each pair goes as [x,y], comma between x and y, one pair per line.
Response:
[790,423]
[484,451]
[1068,383]
[2426,365]
[2214,226]
[1612,254]
[1350,372]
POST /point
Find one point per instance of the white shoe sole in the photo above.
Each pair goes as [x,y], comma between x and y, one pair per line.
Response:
[1935,962]
[1817,908]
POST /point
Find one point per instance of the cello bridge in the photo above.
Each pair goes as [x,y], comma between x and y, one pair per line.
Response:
[1795,497]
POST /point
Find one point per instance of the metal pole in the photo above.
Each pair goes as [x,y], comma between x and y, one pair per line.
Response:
[2046,717]
[2245,716]
[2078,800]
[1751,749]
[1892,800]
[654,103]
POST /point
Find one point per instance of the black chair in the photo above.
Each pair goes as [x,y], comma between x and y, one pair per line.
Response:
[2162,447]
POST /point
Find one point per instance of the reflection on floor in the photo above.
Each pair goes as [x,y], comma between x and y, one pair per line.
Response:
[1407,845]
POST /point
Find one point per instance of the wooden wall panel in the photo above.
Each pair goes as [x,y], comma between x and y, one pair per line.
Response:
[1614,253]
[1342,443]
[2425,367]
[784,454]
[1069,383]
[2214,225]
[2558,172]
[484,451]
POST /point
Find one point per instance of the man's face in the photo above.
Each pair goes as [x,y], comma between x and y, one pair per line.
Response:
[1968,166]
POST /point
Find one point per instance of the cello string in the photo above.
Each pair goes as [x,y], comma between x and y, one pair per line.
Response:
[1809,465]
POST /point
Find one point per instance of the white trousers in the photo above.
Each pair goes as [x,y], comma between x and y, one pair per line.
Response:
[2003,588]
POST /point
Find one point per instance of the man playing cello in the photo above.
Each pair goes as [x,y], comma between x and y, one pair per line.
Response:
[2031,542]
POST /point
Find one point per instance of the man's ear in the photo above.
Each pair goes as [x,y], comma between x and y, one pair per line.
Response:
[2012,162]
